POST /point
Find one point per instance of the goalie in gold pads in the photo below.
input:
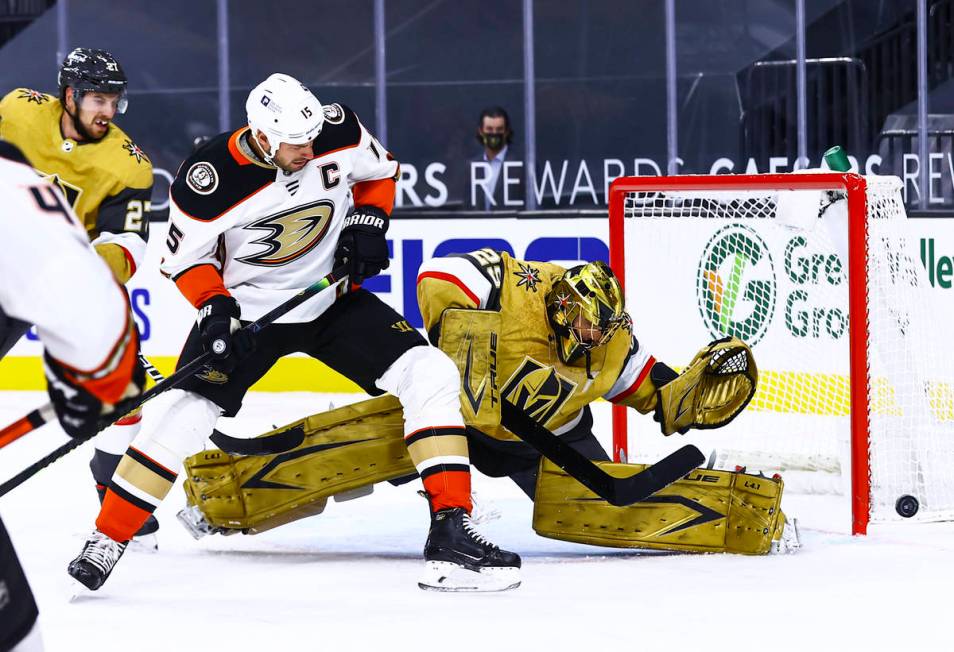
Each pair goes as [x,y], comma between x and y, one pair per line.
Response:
[551,341]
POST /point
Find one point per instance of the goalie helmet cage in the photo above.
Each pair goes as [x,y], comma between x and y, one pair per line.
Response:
[817,272]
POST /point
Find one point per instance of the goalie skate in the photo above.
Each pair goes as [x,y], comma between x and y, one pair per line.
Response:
[193,520]
[458,558]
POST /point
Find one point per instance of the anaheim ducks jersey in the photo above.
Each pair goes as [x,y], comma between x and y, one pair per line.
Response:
[51,276]
[108,183]
[529,372]
[238,226]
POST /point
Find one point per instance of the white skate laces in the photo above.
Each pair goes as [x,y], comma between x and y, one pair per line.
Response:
[470,527]
[102,552]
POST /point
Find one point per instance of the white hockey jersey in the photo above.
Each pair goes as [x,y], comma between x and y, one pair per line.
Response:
[51,276]
[240,227]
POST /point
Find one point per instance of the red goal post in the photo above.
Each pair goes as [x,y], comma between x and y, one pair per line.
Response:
[754,203]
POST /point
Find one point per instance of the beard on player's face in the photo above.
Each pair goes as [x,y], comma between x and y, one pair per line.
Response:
[92,113]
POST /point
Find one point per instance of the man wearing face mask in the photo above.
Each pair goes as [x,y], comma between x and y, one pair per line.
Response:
[492,183]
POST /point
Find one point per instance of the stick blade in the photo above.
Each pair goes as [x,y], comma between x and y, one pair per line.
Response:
[656,477]
[280,442]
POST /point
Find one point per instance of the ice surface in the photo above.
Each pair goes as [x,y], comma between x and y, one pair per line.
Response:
[346,579]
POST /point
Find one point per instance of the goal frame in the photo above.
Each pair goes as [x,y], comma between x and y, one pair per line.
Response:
[855,188]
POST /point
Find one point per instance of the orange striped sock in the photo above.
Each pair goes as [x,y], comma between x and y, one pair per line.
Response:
[447,489]
[122,514]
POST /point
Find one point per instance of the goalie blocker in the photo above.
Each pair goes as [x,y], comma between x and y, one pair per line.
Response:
[347,450]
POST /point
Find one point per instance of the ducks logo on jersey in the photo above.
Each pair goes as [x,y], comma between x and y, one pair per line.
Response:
[291,234]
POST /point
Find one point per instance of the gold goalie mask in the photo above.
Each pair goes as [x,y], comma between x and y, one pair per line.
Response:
[585,308]
[710,392]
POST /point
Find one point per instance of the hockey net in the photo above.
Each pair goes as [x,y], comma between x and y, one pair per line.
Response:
[817,273]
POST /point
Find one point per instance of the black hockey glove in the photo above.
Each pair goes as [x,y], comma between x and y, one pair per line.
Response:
[219,327]
[78,411]
[362,245]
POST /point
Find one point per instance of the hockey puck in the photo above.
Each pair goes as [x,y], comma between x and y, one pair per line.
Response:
[907,506]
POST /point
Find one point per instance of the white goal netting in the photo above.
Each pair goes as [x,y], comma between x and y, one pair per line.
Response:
[771,266]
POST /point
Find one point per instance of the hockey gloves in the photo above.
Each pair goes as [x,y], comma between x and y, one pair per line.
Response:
[710,392]
[222,333]
[79,411]
[362,245]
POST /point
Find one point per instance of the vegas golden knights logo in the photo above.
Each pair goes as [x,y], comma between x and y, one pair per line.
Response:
[291,234]
[538,390]
[70,191]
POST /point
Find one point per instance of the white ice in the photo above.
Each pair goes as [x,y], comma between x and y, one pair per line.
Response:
[346,579]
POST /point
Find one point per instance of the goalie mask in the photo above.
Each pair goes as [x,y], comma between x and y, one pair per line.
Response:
[585,308]
[283,109]
[87,70]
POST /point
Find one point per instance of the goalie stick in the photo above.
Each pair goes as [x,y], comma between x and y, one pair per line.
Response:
[616,491]
[269,445]
[44,414]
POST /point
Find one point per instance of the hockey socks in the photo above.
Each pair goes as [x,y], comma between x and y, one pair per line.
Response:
[136,489]
[442,460]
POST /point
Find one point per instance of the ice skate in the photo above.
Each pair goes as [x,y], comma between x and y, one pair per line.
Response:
[96,561]
[458,558]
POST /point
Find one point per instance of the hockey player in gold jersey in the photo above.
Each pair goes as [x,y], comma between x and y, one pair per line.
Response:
[563,341]
[71,141]
[549,340]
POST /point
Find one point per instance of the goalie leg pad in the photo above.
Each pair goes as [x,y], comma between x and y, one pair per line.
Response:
[343,451]
[706,511]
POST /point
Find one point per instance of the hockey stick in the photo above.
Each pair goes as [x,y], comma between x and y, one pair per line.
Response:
[616,491]
[43,414]
[270,445]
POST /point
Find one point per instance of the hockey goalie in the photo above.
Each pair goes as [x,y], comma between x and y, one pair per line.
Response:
[550,341]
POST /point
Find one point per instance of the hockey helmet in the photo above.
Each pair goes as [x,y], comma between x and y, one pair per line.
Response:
[283,109]
[586,298]
[88,70]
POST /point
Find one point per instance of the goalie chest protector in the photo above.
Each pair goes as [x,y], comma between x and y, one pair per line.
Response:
[528,370]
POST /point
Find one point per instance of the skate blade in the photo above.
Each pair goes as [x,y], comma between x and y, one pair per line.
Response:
[147,543]
[78,592]
[448,577]
[791,540]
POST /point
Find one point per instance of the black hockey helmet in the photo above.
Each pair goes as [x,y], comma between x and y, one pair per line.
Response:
[86,69]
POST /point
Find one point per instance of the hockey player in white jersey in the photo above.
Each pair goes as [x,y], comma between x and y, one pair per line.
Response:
[255,216]
[51,276]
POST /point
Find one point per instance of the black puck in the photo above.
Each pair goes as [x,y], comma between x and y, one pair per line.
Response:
[907,506]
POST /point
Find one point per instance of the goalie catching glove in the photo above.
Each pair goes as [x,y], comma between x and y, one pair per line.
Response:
[715,387]
[362,245]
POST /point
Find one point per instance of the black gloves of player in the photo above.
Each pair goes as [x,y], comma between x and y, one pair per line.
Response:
[78,411]
[221,332]
[362,245]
